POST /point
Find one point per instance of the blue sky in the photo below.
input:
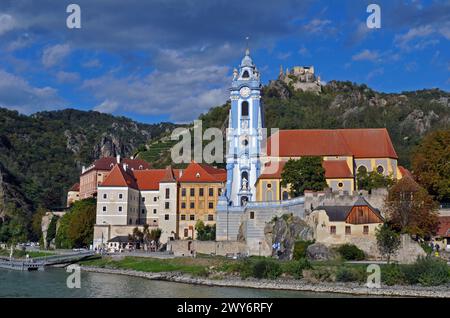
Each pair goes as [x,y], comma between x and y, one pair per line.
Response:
[172,60]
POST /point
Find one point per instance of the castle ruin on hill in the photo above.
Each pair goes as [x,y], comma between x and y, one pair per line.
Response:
[301,78]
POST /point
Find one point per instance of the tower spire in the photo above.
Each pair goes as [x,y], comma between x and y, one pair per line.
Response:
[247,50]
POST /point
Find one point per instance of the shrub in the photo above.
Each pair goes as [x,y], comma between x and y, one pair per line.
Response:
[300,248]
[295,268]
[265,268]
[350,274]
[393,275]
[427,271]
[245,268]
[323,274]
[427,248]
[351,252]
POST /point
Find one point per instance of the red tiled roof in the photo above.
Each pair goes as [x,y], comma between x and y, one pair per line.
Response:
[149,179]
[333,169]
[145,180]
[170,175]
[361,143]
[75,187]
[336,169]
[444,226]
[199,172]
[107,163]
[405,172]
[118,177]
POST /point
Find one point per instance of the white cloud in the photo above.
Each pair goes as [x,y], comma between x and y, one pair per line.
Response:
[374,73]
[366,55]
[67,77]
[186,88]
[404,40]
[7,23]
[21,42]
[317,25]
[303,51]
[55,54]
[16,93]
[283,56]
[445,31]
[94,63]
[107,107]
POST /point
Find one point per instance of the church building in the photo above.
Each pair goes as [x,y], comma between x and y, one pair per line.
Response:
[254,194]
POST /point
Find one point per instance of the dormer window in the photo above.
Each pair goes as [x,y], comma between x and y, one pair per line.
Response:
[245,74]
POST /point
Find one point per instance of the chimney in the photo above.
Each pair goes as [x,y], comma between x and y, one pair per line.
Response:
[180,174]
[83,169]
[124,165]
[118,158]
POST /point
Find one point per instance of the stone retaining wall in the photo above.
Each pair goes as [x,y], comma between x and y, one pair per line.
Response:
[184,247]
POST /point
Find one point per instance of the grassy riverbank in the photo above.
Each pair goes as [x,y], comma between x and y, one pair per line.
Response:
[426,272]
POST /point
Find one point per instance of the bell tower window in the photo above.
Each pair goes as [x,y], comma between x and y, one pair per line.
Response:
[244,109]
[245,74]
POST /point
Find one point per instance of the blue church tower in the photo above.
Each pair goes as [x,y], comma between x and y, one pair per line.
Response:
[244,134]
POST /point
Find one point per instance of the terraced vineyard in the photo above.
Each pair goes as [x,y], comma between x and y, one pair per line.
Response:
[158,153]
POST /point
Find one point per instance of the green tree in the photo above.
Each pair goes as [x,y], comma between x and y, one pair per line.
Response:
[431,164]
[51,231]
[62,239]
[372,180]
[36,224]
[81,231]
[306,173]
[76,228]
[13,225]
[388,241]
[205,232]
[137,237]
[410,209]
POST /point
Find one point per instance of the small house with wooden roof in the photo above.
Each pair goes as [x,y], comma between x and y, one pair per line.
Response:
[339,224]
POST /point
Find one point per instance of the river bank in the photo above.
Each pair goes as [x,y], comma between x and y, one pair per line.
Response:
[283,284]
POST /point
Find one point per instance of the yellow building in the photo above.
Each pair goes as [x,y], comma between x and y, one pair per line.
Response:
[200,187]
[344,153]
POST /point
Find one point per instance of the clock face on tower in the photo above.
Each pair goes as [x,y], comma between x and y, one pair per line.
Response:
[245,92]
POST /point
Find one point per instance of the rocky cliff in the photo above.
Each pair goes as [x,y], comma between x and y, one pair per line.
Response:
[41,155]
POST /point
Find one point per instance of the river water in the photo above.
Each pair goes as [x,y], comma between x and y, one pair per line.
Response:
[52,283]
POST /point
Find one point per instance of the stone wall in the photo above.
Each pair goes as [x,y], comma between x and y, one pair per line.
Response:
[184,247]
[408,252]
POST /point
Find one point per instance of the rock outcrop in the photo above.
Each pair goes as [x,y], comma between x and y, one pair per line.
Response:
[286,230]
[320,252]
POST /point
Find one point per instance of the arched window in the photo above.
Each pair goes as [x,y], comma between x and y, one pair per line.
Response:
[380,169]
[244,200]
[269,195]
[245,74]
[362,169]
[244,109]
